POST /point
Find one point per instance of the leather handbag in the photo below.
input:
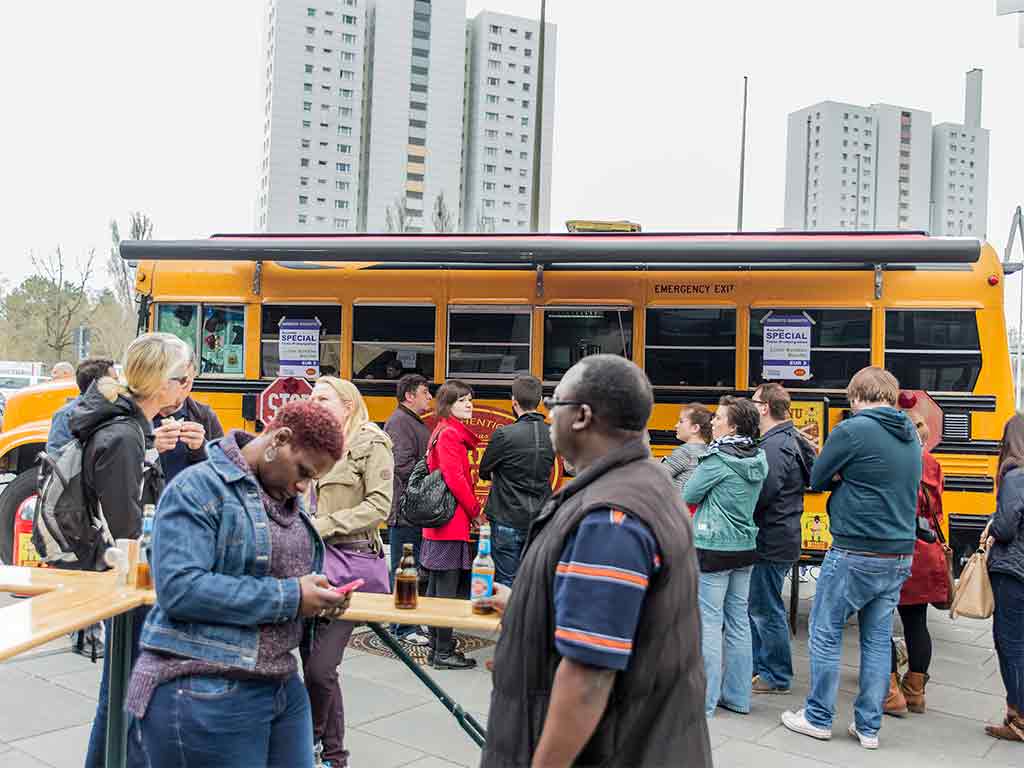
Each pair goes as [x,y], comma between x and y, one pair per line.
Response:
[947,552]
[428,501]
[974,592]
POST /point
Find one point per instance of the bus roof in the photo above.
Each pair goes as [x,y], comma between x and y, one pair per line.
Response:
[572,251]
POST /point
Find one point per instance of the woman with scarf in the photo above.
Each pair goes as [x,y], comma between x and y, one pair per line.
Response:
[350,504]
[725,487]
[928,583]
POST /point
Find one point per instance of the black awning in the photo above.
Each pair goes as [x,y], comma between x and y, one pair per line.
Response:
[616,251]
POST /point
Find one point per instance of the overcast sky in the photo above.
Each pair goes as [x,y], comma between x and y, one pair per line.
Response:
[120,105]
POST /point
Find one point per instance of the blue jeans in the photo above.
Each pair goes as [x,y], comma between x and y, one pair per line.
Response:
[96,754]
[723,616]
[1008,633]
[214,722]
[400,535]
[507,550]
[769,625]
[869,587]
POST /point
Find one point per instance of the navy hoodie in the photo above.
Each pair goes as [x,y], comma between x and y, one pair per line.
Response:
[873,507]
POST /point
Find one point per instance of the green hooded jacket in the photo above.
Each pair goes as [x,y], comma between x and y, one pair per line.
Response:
[725,487]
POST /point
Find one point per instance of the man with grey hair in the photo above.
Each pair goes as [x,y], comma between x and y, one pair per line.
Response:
[616,535]
[62,372]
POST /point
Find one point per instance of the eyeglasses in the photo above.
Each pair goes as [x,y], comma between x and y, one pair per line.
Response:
[550,402]
[758,402]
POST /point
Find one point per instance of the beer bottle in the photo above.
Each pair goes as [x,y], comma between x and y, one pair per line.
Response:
[482,581]
[144,577]
[406,579]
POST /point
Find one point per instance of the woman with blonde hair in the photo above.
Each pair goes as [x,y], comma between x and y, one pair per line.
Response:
[113,422]
[351,502]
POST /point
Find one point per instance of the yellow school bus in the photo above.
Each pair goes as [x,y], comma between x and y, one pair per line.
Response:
[697,312]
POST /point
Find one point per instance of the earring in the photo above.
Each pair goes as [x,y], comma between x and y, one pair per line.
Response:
[270,455]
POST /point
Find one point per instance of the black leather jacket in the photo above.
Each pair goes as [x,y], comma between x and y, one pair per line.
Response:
[518,461]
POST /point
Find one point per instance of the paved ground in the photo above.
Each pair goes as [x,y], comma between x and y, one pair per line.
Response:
[47,703]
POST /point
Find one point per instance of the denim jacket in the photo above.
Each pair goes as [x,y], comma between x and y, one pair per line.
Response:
[211,558]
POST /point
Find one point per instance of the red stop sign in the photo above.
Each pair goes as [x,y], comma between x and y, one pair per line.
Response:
[281,392]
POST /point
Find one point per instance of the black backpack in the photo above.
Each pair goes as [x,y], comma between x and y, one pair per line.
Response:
[69,529]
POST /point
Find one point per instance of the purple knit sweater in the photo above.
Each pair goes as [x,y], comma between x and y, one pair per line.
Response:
[291,557]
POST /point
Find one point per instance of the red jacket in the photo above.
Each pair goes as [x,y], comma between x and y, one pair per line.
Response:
[451,454]
[927,582]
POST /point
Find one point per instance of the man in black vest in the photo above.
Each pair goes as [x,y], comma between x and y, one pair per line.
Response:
[599,657]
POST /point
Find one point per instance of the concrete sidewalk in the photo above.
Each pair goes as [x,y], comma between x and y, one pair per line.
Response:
[47,704]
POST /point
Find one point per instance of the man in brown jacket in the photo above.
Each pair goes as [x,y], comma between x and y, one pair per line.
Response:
[599,658]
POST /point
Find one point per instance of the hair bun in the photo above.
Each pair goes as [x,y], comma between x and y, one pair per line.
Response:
[907,400]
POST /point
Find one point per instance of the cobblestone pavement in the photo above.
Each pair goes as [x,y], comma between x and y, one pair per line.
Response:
[47,703]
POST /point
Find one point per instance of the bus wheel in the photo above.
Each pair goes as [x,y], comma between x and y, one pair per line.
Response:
[17,508]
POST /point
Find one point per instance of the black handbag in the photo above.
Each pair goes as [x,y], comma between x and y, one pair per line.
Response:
[428,502]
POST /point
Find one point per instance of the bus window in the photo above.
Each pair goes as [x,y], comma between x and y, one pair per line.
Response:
[840,346]
[182,320]
[329,316]
[389,341]
[222,351]
[937,350]
[572,333]
[488,342]
[688,347]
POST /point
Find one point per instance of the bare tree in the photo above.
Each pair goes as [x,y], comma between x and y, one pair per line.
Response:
[64,298]
[396,217]
[443,221]
[122,274]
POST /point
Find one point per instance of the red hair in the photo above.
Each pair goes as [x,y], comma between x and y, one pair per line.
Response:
[313,427]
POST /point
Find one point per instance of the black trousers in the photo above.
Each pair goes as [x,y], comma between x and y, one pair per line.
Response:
[919,640]
[446,584]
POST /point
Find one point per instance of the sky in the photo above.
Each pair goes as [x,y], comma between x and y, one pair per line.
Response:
[126,105]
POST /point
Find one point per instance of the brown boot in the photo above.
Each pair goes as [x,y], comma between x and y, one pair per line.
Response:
[913,686]
[1012,728]
[895,703]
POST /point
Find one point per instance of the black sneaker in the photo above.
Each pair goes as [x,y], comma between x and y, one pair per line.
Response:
[454,660]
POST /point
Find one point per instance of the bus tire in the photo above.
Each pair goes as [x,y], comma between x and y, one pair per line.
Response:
[19,489]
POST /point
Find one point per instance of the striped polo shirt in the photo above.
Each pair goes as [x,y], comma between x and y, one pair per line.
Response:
[600,585]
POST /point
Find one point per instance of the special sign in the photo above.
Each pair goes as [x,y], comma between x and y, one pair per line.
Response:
[280,392]
[787,348]
[298,348]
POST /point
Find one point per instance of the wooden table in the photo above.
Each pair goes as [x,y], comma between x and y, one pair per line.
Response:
[66,601]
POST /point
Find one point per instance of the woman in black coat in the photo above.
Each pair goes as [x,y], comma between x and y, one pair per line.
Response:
[1005,537]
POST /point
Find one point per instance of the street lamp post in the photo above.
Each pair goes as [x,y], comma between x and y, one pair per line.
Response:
[538,126]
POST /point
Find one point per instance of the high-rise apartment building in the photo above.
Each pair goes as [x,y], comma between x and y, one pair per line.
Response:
[858,168]
[374,109]
[313,115]
[885,167]
[501,123]
[960,170]
[413,150]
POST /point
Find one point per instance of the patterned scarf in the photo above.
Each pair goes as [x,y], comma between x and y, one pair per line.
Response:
[740,441]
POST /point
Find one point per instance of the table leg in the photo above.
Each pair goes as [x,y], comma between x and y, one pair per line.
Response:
[469,723]
[119,651]
[794,597]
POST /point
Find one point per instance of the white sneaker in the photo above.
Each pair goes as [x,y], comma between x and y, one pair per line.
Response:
[416,638]
[868,742]
[797,722]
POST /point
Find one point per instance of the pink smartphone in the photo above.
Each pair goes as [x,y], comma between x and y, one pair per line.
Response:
[344,589]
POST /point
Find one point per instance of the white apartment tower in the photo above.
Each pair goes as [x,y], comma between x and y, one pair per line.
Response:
[314,83]
[960,170]
[413,151]
[501,123]
[850,167]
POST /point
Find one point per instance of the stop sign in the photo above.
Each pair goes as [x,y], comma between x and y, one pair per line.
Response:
[280,392]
